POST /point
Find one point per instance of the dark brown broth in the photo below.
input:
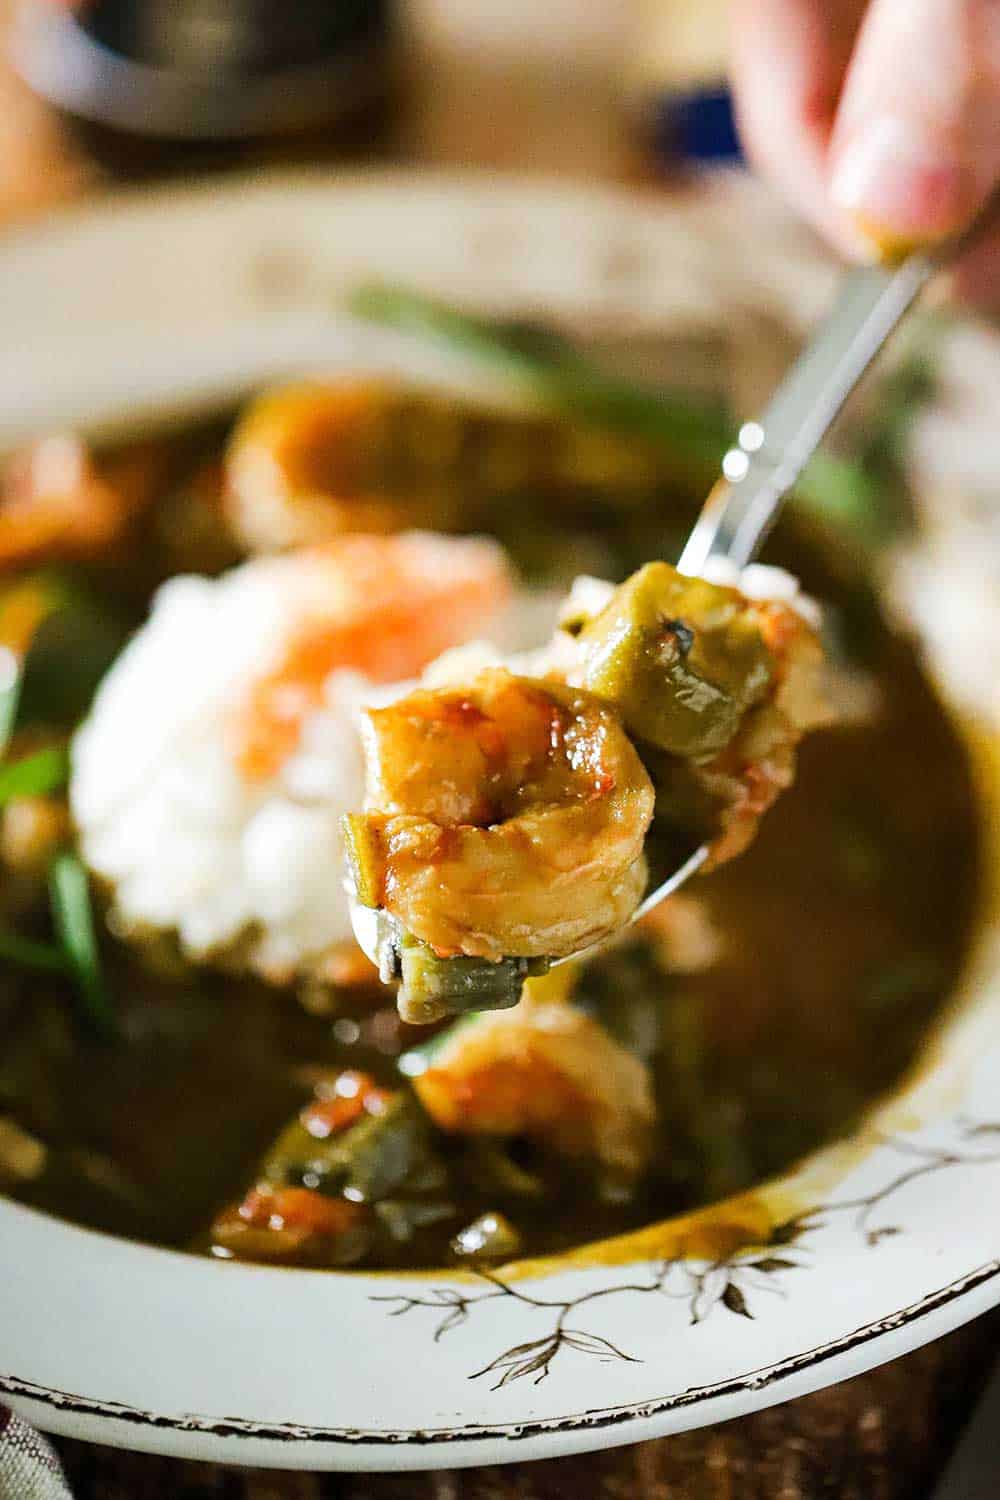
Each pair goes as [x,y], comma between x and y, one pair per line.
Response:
[843,929]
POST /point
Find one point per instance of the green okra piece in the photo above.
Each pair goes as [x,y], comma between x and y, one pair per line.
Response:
[364,857]
[433,987]
[680,659]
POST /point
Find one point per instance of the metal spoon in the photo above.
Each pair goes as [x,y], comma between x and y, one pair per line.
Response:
[770,453]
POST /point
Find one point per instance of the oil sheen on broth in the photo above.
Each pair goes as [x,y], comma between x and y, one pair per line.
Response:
[830,957]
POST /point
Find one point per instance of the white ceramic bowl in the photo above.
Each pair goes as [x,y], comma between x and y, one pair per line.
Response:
[165,301]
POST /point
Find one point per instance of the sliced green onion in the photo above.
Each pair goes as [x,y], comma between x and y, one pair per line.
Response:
[35,775]
[694,429]
[69,892]
[27,954]
[855,494]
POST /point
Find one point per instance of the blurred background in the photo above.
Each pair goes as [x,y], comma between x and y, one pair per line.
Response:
[97,91]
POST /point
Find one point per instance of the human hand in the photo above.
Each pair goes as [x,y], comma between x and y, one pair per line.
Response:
[878,119]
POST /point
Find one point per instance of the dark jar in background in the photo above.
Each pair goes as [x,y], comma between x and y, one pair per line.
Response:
[158,83]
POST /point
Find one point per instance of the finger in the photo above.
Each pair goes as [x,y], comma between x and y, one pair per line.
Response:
[916,144]
[789,59]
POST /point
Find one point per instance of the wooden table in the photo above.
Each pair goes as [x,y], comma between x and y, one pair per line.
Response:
[474,97]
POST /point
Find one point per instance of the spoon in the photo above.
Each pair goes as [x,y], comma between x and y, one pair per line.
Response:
[769,454]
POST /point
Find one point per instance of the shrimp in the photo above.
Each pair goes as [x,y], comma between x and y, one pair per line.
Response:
[747,778]
[506,822]
[546,1071]
[506,819]
[314,459]
[301,467]
[683,935]
[291,1224]
[55,503]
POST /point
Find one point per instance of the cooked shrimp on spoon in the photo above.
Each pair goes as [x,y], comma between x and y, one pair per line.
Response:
[494,810]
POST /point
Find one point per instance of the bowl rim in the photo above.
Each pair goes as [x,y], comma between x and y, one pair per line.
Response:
[305,1444]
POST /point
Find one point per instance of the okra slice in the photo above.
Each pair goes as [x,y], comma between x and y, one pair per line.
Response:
[681,660]
[369,1160]
[364,858]
[432,987]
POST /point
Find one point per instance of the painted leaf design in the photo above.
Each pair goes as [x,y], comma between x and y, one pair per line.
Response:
[711,1287]
[514,1356]
[539,1366]
[875,1236]
[592,1343]
[406,1304]
[734,1299]
[524,1359]
[678,1281]
[735,1281]
[749,1279]
[458,1314]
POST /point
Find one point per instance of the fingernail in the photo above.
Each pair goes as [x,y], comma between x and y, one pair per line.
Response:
[898,186]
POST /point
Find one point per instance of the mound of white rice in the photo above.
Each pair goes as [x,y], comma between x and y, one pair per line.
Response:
[188,842]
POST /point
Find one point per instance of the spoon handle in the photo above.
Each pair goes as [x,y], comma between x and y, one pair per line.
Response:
[771,453]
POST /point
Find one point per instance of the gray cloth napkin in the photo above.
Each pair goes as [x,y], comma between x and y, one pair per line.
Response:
[29,1470]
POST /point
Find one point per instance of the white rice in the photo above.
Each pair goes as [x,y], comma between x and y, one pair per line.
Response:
[186,842]
[164,814]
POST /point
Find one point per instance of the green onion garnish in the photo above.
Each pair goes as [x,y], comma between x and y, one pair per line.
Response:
[69,891]
[856,494]
[35,775]
[28,954]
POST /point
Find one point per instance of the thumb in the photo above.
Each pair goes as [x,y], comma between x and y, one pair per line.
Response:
[915,148]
